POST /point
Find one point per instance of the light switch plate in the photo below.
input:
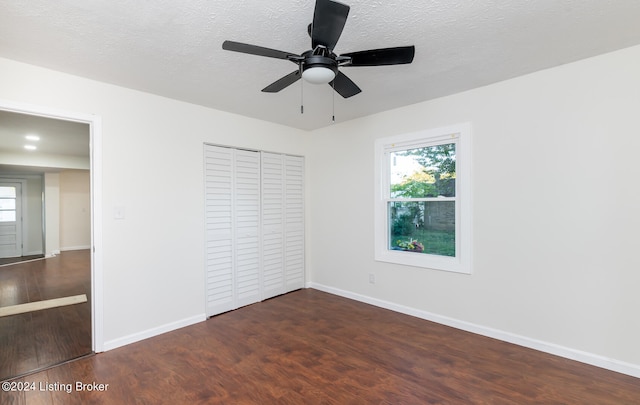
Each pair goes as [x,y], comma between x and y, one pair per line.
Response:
[118,212]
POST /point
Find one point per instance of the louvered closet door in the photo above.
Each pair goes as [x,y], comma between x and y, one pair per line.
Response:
[247,227]
[254,226]
[272,225]
[294,222]
[232,194]
[219,229]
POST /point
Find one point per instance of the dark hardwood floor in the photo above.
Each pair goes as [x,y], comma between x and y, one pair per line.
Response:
[12,260]
[38,339]
[310,347]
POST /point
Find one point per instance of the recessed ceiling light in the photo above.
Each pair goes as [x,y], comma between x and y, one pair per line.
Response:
[30,147]
[32,137]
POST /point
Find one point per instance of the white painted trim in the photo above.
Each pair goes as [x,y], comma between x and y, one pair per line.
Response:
[459,134]
[551,348]
[24,216]
[149,333]
[70,248]
[96,234]
[95,128]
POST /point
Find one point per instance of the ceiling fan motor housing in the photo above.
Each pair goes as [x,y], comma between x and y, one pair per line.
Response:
[319,69]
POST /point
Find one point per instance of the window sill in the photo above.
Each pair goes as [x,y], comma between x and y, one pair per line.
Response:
[427,261]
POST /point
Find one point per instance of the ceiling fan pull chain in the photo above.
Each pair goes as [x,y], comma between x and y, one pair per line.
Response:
[333,102]
[301,95]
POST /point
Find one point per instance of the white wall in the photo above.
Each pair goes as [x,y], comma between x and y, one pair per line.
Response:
[48,161]
[67,211]
[152,165]
[555,211]
[32,223]
[52,213]
[75,210]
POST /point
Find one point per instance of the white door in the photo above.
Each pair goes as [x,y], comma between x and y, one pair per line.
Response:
[219,229]
[272,225]
[10,220]
[232,200]
[254,207]
[294,222]
[246,246]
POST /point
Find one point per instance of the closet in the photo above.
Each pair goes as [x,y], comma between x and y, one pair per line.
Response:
[254,216]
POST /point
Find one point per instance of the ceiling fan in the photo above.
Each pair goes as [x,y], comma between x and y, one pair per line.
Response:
[319,65]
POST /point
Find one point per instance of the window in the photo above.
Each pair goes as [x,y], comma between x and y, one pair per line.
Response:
[423,199]
[7,204]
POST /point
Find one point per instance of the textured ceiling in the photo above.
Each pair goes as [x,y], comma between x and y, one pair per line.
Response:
[173,48]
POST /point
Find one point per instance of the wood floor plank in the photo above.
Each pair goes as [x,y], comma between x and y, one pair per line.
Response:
[5,262]
[31,341]
[310,347]
[12,282]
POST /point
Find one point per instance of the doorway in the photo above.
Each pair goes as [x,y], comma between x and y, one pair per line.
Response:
[68,256]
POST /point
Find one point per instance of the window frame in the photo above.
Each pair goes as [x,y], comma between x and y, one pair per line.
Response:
[13,210]
[459,134]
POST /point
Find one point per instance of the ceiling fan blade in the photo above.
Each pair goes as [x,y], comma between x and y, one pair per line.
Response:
[256,50]
[380,57]
[283,82]
[344,86]
[329,18]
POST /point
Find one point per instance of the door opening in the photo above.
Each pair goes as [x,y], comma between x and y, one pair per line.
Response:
[11,206]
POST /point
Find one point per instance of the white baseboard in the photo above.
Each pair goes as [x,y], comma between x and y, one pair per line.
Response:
[551,348]
[69,248]
[32,253]
[136,337]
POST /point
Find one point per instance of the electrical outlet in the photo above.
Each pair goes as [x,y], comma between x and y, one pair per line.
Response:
[372,278]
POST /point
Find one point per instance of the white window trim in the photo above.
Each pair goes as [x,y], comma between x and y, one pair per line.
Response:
[462,262]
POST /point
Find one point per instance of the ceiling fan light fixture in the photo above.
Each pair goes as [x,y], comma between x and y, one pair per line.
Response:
[318,75]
